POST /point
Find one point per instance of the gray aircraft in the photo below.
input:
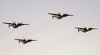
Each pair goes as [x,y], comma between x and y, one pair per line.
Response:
[25,41]
[14,24]
[59,16]
[85,29]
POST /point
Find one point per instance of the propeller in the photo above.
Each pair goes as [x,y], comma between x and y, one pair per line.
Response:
[21,22]
[24,38]
[59,12]
[65,12]
[85,27]
[30,39]
[13,22]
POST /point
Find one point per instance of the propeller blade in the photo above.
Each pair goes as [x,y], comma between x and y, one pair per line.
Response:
[13,22]
[65,12]
[59,12]
[22,22]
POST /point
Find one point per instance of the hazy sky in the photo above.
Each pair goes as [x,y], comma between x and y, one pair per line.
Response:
[55,37]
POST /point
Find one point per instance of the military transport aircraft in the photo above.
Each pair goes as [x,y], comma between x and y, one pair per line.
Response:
[14,24]
[59,16]
[85,29]
[25,41]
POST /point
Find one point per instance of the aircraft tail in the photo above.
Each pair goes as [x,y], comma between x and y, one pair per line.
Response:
[9,25]
[19,41]
[78,29]
[53,16]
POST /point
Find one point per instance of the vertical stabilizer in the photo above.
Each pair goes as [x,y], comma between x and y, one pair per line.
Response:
[52,16]
[9,25]
[78,29]
[19,41]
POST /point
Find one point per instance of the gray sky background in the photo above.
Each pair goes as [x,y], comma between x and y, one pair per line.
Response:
[55,37]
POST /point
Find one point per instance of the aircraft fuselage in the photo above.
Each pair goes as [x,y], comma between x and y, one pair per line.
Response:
[86,29]
[61,16]
[15,25]
[26,41]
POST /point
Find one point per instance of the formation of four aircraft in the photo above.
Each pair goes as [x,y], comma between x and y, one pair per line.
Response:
[58,16]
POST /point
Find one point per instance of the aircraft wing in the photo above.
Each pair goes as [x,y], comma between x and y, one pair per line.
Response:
[94,28]
[78,28]
[52,14]
[6,23]
[17,39]
[34,40]
[31,40]
[24,24]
